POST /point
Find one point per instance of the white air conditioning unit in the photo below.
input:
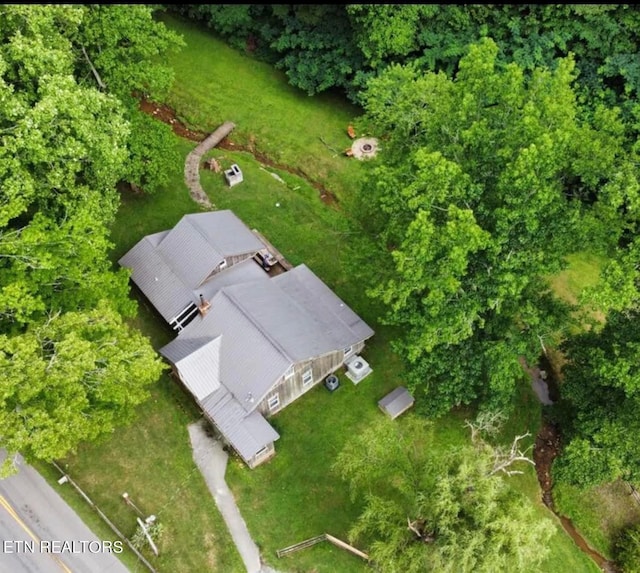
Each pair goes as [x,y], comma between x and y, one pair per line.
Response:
[357,369]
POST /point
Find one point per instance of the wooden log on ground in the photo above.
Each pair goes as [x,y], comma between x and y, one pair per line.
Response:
[343,545]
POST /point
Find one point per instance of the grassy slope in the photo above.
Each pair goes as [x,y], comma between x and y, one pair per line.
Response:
[215,83]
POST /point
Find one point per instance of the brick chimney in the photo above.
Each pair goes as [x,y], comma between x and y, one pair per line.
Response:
[204,305]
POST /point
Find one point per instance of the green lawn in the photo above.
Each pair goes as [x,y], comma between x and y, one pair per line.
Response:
[582,272]
[294,496]
[215,83]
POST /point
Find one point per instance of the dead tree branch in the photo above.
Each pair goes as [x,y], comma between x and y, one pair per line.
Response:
[503,460]
[93,69]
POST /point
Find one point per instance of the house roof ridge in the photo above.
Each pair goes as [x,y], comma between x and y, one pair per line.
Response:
[193,222]
[165,259]
[233,300]
[238,305]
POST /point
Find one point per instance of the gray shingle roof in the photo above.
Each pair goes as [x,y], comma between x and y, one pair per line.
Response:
[256,328]
[156,279]
[249,361]
[189,254]
[269,325]
[396,402]
[226,232]
[248,434]
[300,332]
[303,286]
[200,370]
[200,241]
[170,266]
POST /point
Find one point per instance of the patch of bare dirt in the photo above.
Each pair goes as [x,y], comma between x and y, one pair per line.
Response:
[167,115]
[546,450]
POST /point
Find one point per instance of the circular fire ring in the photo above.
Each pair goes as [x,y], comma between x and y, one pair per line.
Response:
[364,148]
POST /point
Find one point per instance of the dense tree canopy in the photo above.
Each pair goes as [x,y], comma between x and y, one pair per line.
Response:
[487,182]
[601,386]
[74,377]
[628,550]
[69,368]
[439,511]
[325,46]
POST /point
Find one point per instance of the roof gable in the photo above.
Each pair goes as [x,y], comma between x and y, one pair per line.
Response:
[225,232]
[189,254]
[200,369]
[249,362]
[200,242]
[248,434]
[156,279]
[304,286]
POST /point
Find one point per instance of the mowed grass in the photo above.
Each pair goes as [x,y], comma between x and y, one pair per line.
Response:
[214,83]
[582,272]
[151,460]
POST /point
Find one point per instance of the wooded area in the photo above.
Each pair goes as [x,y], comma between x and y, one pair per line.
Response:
[71,368]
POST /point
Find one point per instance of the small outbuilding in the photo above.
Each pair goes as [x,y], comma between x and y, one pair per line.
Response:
[396,402]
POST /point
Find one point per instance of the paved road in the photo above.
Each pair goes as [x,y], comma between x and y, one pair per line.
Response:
[34,524]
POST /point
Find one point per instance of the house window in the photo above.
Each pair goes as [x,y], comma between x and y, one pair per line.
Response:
[223,264]
[261,451]
[307,377]
[273,402]
[348,350]
[289,373]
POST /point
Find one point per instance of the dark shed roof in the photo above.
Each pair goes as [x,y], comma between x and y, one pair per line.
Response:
[396,402]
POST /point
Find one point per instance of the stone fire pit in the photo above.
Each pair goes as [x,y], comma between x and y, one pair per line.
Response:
[364,148]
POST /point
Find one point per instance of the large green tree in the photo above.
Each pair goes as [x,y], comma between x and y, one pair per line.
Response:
[601,395]
[120,49]
[70,369]
[74,377]
[487,181]
[115,50]
[426,509]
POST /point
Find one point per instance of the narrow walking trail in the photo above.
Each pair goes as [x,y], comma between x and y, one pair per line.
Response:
[167,115]
[192,164]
